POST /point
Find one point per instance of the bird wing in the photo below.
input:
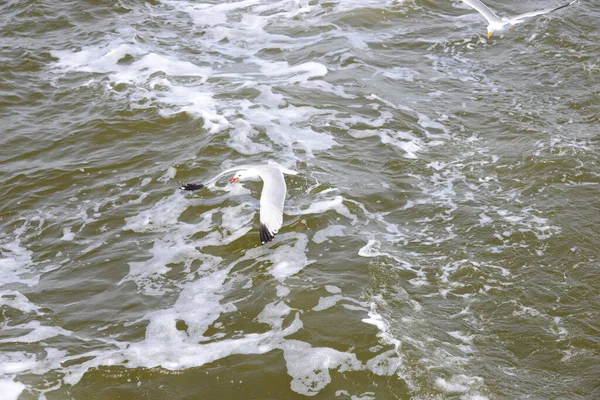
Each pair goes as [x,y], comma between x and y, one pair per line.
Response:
[483,10]
[286,171]
[271,202]
[196,186]
[540,12]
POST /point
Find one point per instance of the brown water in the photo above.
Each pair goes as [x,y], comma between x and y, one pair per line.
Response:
[441,240]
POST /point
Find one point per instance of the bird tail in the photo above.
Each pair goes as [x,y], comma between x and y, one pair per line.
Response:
[192,186]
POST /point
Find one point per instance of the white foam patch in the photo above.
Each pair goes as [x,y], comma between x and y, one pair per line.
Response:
[326,87]
[11,390]
[457,383]
[377,320]
[161,217]
[14,363]
[67,234]
[405,141]
[363,396]
[333,289]
[199,305]
[213,14]
[484,219]
[428,124]
[294,74]
[385,364]
[174,247]
[507,223]
[145,76]
[343,6]
[288,260]
[14,263]
[462,337]
[282,291]
[104,59]
[168,175]
[18,362]
[391,361]
[373,249]
[274,313]
[286,126]
[184,99]
[319,207]
[38,333]
[389,103]
[309,366]
[331,231]
[241,136]
[163,343]
[16,300]
[330,301]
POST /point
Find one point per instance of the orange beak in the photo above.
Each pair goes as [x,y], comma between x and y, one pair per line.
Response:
[234,179]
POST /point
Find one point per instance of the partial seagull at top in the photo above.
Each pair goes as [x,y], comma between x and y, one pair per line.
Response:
[497,24]
[271,198]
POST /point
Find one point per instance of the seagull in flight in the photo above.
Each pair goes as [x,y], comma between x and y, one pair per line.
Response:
[271,198]
[497,24]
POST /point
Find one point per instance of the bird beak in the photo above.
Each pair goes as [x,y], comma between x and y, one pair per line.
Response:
[490,34]
[234,179]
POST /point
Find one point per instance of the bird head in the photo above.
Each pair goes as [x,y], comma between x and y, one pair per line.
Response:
[235,178]
[249,174]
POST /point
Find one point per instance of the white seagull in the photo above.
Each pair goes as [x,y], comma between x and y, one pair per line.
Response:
[271,198]
[497,24]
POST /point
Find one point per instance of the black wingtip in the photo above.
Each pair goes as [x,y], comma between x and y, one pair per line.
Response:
[563,6]
[265,234]
[192,186]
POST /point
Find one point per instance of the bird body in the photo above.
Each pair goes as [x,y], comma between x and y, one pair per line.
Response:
[272,196]
[497,24]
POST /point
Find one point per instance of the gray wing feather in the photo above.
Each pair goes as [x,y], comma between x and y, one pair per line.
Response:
[271,202]
[546,11]
[483,10]
[196,186]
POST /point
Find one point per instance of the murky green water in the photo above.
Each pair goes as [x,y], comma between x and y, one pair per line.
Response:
[441,240]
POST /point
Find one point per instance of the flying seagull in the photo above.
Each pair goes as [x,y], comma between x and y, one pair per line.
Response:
[497,24]
[271,198]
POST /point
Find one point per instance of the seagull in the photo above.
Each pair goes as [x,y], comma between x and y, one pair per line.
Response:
[497,24]
[271,198]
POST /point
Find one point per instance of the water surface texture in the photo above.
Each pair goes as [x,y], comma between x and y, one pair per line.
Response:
[440,242]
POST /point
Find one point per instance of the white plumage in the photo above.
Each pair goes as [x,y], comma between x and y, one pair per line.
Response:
[497,24]
[272,196]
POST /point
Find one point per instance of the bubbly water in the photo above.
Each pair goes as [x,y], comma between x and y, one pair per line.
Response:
[441,240]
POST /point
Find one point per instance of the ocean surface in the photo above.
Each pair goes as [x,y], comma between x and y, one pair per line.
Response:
[441,241]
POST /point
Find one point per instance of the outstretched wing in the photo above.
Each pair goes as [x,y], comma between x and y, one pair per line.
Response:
[271,202]
[192,186]
[286,171]
[540,12]
[196,186]
[483,10]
